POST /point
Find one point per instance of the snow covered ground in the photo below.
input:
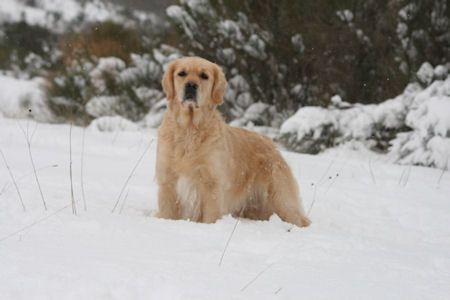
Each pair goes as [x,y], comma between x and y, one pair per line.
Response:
[380,231]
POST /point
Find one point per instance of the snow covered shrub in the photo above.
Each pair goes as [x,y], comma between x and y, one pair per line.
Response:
[240,47]
[428,143]
[23,98]
[105,39]
[286,56]
[414,127]
[313,129]
[25,48]
[115,123]
[68,89]
[108,86]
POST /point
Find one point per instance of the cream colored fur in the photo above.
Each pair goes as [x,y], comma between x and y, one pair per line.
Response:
[206,169]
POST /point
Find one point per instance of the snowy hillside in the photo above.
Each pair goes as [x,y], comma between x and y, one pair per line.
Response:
[379,231]
[58,15]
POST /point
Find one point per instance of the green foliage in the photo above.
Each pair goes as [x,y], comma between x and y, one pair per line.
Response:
[19,40]
[349,47]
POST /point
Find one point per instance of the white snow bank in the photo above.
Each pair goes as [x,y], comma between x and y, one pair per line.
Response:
[115,123]
[18,96]
[370,238]
[429,117]
[416,123]
[57,15]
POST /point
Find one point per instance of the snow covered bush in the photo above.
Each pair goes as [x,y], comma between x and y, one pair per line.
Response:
[413,127]
[23,98]
[25,49]
[313,129]
[284,55]
[115,123]
[429,118]
[107,86]
[241,47]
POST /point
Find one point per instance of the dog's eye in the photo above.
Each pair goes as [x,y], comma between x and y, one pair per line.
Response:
[182,74]
[203,76]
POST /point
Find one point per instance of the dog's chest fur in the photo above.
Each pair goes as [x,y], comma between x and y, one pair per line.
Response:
[188,200]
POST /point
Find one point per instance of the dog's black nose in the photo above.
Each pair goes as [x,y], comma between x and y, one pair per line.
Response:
[190,91]
[191,86]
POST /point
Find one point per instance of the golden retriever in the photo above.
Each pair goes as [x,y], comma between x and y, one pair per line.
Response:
[205,168]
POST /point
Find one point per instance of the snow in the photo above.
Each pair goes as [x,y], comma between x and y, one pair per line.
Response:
[182,18]
[231,30]
[18,95]
[297,42]
[58,15]
[379,236]
[425,73]
[115,124]
[429,118]
[414,127]
[345,15]
[102,106]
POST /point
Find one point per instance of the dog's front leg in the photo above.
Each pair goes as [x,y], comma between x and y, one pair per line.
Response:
[167,202]
[210,198]
[211,211]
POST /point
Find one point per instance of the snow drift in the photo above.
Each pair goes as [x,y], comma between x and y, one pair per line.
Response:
[414,127]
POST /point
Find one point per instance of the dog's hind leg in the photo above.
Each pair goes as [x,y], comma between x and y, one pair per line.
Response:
[283,197]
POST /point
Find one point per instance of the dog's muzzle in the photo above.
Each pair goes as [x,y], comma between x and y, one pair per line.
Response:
[190,91]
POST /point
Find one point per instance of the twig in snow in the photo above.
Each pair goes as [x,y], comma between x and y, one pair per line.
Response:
[336,176]
[314,200]
[440,177]
[401,176]
[332,182]
[325,173]
[74,206]
[115,137]
[256,277]
[14,180]
[7,185]
[407,176]
[32,224]
[228,242]
[82,169]
[371,172]
[124,200]
[277,291]
[129,176]
[28,140]
[443,171]
[315,187]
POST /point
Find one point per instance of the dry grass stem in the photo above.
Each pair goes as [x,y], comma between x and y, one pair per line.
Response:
[33,224]
[315,187]
[228,242]
[131,175]
[443,171]
[7,185]
[408,173]
[256,277]
[13,180]
[124,201]
[82,169]
[401,176]
[28,139]
[371,172]
[74,206]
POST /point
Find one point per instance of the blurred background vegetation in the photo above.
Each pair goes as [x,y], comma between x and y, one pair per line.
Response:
[284,54]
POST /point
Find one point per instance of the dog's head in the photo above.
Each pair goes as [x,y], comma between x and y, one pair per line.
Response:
[193,85]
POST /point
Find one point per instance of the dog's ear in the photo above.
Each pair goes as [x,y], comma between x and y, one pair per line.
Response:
[167,81]
[220,84]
